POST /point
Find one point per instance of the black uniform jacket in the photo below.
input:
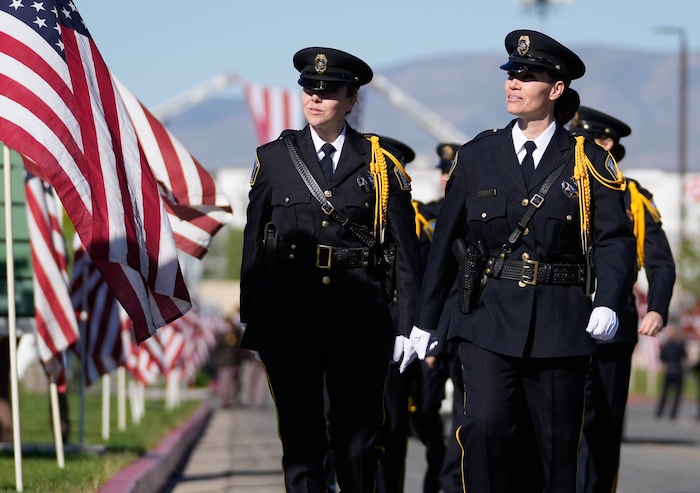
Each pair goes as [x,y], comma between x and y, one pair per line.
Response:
[660,270]
[485,198]
[293,306]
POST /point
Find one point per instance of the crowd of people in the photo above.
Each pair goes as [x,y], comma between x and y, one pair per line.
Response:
[517,285]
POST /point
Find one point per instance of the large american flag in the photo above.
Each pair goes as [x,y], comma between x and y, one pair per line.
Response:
[272,110]
[56,325]
[59,107]
[197,209]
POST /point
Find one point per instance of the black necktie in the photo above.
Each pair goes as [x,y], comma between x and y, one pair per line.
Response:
[327,161]
[528,164]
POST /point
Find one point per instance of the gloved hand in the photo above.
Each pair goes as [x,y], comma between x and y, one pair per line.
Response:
[603,323]
[423,341]
[404,352]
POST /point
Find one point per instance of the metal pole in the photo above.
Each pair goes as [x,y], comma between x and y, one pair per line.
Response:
[12,317]
[682,127]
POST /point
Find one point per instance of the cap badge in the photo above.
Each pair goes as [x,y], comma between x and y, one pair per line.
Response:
[523,45]
[448,153]
[320,63]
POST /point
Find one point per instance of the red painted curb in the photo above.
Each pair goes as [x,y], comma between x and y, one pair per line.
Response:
[151,472]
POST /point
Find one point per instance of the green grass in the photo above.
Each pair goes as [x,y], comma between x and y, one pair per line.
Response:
[85,472]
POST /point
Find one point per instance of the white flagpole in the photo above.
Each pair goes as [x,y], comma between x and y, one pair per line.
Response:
[105,406]
[121,398]
[57,430]
[12,317]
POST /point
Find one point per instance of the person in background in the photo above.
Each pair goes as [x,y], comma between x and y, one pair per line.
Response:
[228,357]
[329,243]
[439,365]
[526,341]
[608,378]
[673,355]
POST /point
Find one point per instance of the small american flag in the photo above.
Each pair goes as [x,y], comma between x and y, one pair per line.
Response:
[272,110]
[99,314]
[59,107]
[56,325]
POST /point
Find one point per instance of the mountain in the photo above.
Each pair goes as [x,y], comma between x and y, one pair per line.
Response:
[640,88]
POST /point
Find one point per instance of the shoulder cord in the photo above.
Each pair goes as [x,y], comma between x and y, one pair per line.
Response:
[582,168]
[638,204]
[377,168]
[422,224]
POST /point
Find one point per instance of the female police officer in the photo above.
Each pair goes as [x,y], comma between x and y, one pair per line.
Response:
[327,208]
[526,344]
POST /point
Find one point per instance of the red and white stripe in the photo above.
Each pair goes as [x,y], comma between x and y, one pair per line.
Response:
[67,116]
[197,209]
[56,325]
[272,110]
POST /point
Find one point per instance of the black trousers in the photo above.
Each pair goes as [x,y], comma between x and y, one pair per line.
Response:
[451,472]
[523,423]
[607,387]
[427,421]
[355,414]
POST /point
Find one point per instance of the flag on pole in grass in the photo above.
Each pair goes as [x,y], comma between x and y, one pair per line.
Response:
[98,313]
[59,106]
[56,325]
[196,207]
[273,110]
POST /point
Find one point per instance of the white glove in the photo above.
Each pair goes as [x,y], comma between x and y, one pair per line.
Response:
[423,341]
[603,323]
[404,352]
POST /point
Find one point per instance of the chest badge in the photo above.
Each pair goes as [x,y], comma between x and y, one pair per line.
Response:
[365,181]
[570,188]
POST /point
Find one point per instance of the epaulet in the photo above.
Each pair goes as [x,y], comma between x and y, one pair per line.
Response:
[486,133]
[286,132]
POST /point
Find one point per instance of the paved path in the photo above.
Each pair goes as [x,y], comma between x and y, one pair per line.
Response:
[239,452]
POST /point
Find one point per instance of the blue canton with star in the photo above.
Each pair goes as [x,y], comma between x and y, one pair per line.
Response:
[47,18]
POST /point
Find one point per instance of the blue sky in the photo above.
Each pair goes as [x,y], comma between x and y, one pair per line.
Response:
[161,48]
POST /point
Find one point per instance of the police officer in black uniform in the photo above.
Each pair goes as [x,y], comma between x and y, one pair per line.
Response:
[609,376]
[441,363]
[317,280]
[526,342]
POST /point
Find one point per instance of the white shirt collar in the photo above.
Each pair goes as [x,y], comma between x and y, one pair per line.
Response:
[542,141]
[337,143]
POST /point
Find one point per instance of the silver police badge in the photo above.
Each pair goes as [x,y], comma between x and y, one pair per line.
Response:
[523,45]
[320,63]
[570,188]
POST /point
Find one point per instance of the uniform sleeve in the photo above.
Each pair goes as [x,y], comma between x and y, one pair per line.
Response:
[257,216]
[441,267]
[614,245]
[402,226]
[658,264]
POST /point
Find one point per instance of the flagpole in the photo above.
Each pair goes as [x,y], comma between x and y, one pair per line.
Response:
[121,398]
[105,406]
[57,430]
[82,329]
[12,317]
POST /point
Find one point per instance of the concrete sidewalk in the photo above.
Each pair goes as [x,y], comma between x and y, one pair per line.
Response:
[240,452]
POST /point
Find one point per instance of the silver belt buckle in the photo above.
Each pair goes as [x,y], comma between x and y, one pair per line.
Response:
[324,256]
[528,273]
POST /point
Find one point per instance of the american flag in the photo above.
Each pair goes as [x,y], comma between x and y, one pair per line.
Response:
[196,207]
[99,315]
[59,107]
[56,325]
[272,110]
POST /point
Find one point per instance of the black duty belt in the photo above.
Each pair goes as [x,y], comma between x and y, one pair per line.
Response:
[325,256]
[533,272]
